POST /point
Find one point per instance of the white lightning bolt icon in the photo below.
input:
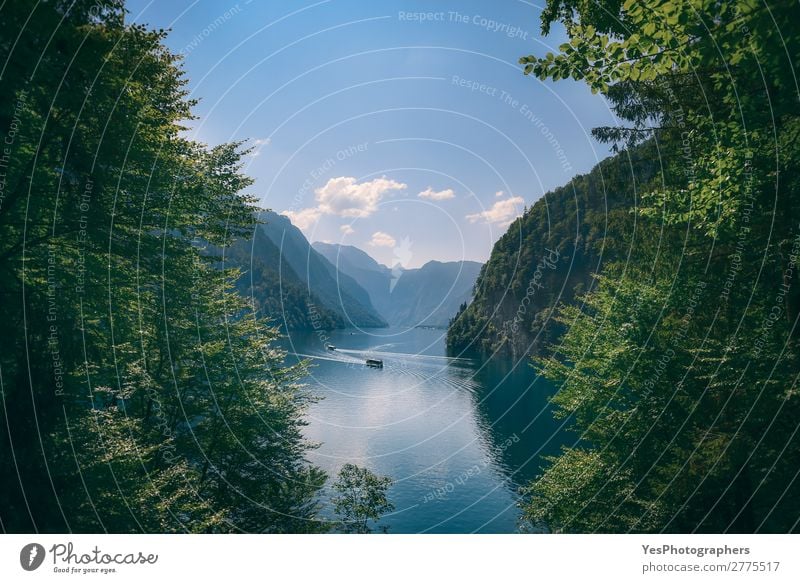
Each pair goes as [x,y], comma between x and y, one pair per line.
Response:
[34,552]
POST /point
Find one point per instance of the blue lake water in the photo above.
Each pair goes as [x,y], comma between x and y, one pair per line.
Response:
[458,436]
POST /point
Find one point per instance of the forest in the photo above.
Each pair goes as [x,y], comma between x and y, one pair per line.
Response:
[679,367]
[141,380]
[549,255]
[127,355]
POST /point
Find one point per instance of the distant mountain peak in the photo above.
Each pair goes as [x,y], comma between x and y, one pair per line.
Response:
[340,254]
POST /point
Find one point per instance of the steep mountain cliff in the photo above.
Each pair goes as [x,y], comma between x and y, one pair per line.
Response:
[275,289]
[295,286]
[336,290]
[548,256]
[370,275]
[432,294]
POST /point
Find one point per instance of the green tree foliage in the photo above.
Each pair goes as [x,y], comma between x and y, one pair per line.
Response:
[683,423]
[360,498]
[714,81]
[139,392]
[680,367]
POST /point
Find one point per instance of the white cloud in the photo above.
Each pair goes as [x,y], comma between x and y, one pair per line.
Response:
[432,194]
[380,239]
[305,218]
[502,213]
[347,229]
[346,197]
[499,193]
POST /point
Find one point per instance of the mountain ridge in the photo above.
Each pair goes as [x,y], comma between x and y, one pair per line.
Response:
[549,256]
[337,291]
[429,295]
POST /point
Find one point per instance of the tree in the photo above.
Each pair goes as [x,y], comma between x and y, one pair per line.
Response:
[360,498]
[680,367]
[140,393]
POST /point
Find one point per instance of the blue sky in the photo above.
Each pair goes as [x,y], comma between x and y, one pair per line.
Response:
[404,128]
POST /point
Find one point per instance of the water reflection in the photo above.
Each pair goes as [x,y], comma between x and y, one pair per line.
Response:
[457,436]
[512,402]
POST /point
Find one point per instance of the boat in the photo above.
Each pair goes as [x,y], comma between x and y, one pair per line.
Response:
[374,363]
[330,347]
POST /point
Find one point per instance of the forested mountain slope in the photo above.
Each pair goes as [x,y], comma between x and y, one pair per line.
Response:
[352,261]
[549,255]
[337,292]
[276,291]
[679,369]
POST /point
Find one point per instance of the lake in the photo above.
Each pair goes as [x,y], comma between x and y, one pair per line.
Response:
[458,436]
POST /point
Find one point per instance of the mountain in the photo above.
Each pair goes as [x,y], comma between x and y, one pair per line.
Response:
[428,296]
[549,255]
[277,291]
[432,294]
[335,291]
[370,275]
[349,258]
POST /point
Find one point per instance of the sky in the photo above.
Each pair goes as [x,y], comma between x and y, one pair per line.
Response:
[405,128]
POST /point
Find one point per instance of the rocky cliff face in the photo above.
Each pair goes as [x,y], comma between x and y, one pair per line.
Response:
[337,291]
